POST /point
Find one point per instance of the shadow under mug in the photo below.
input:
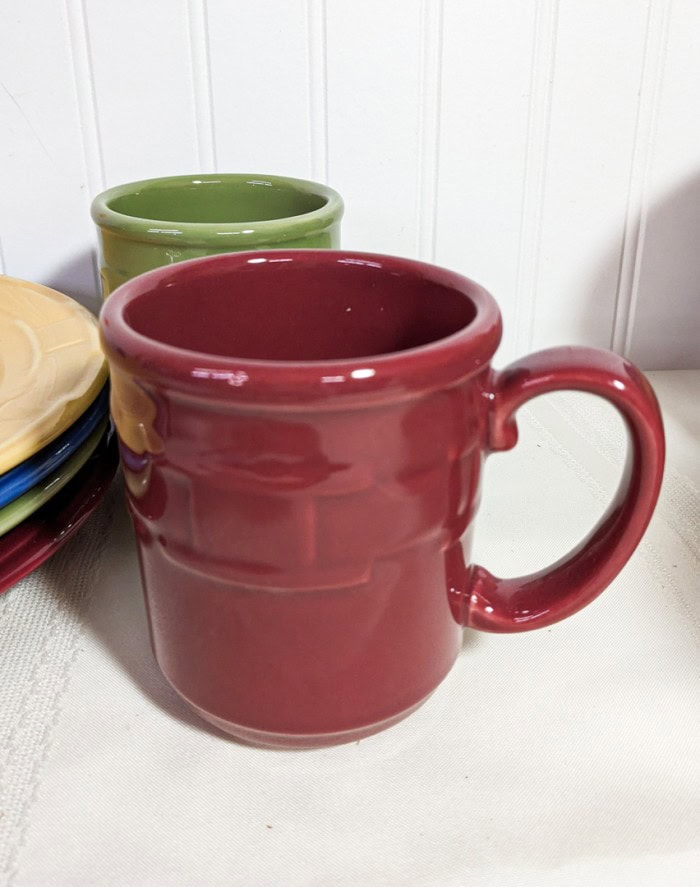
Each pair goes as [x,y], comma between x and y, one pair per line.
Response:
[143,225]
[302,436]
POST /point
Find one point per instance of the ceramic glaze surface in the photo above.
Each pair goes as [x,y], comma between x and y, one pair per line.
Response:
[28,473]
[29,502]
[303,457]
[43,533]
[143,225]
[51,367]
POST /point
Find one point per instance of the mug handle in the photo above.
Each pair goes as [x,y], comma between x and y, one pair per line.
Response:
[483,601]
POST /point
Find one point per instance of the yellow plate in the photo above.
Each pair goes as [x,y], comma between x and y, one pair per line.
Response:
[51,367]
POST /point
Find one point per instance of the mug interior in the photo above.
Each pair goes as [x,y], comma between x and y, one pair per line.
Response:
[218,201]
[284,309]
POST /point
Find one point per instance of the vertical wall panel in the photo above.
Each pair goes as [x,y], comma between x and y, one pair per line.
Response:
[45,228]
[259,58]
[431,37]
[590,149]
[374,118]
[487,103]
[547,148]
[140,53]
[665,314]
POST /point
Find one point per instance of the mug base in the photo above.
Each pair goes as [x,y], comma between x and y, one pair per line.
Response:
[265,739]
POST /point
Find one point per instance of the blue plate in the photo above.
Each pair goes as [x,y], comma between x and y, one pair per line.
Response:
[27,474]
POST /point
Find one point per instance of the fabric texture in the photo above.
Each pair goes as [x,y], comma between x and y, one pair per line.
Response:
[563,757]
[40,626]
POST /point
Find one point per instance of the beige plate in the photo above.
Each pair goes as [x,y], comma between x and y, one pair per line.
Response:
[51,367]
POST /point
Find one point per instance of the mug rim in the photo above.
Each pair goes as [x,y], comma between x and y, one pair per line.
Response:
[250,232]
[296,384]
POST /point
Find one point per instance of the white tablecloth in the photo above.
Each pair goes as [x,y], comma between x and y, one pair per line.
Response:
[568,756]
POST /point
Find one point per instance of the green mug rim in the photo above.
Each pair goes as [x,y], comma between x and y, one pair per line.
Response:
[250,233]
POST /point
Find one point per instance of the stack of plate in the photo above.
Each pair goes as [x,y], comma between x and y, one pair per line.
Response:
[57,453]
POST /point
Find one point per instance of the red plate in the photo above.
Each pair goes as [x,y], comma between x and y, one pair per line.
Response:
[42,534]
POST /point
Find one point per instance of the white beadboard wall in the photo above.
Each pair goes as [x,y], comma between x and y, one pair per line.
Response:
[550,149]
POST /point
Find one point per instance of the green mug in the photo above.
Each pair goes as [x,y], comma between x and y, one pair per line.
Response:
[143,225]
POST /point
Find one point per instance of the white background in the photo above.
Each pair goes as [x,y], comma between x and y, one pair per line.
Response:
[550,149]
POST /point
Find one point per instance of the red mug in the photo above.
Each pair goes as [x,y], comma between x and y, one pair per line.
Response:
[302,436]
